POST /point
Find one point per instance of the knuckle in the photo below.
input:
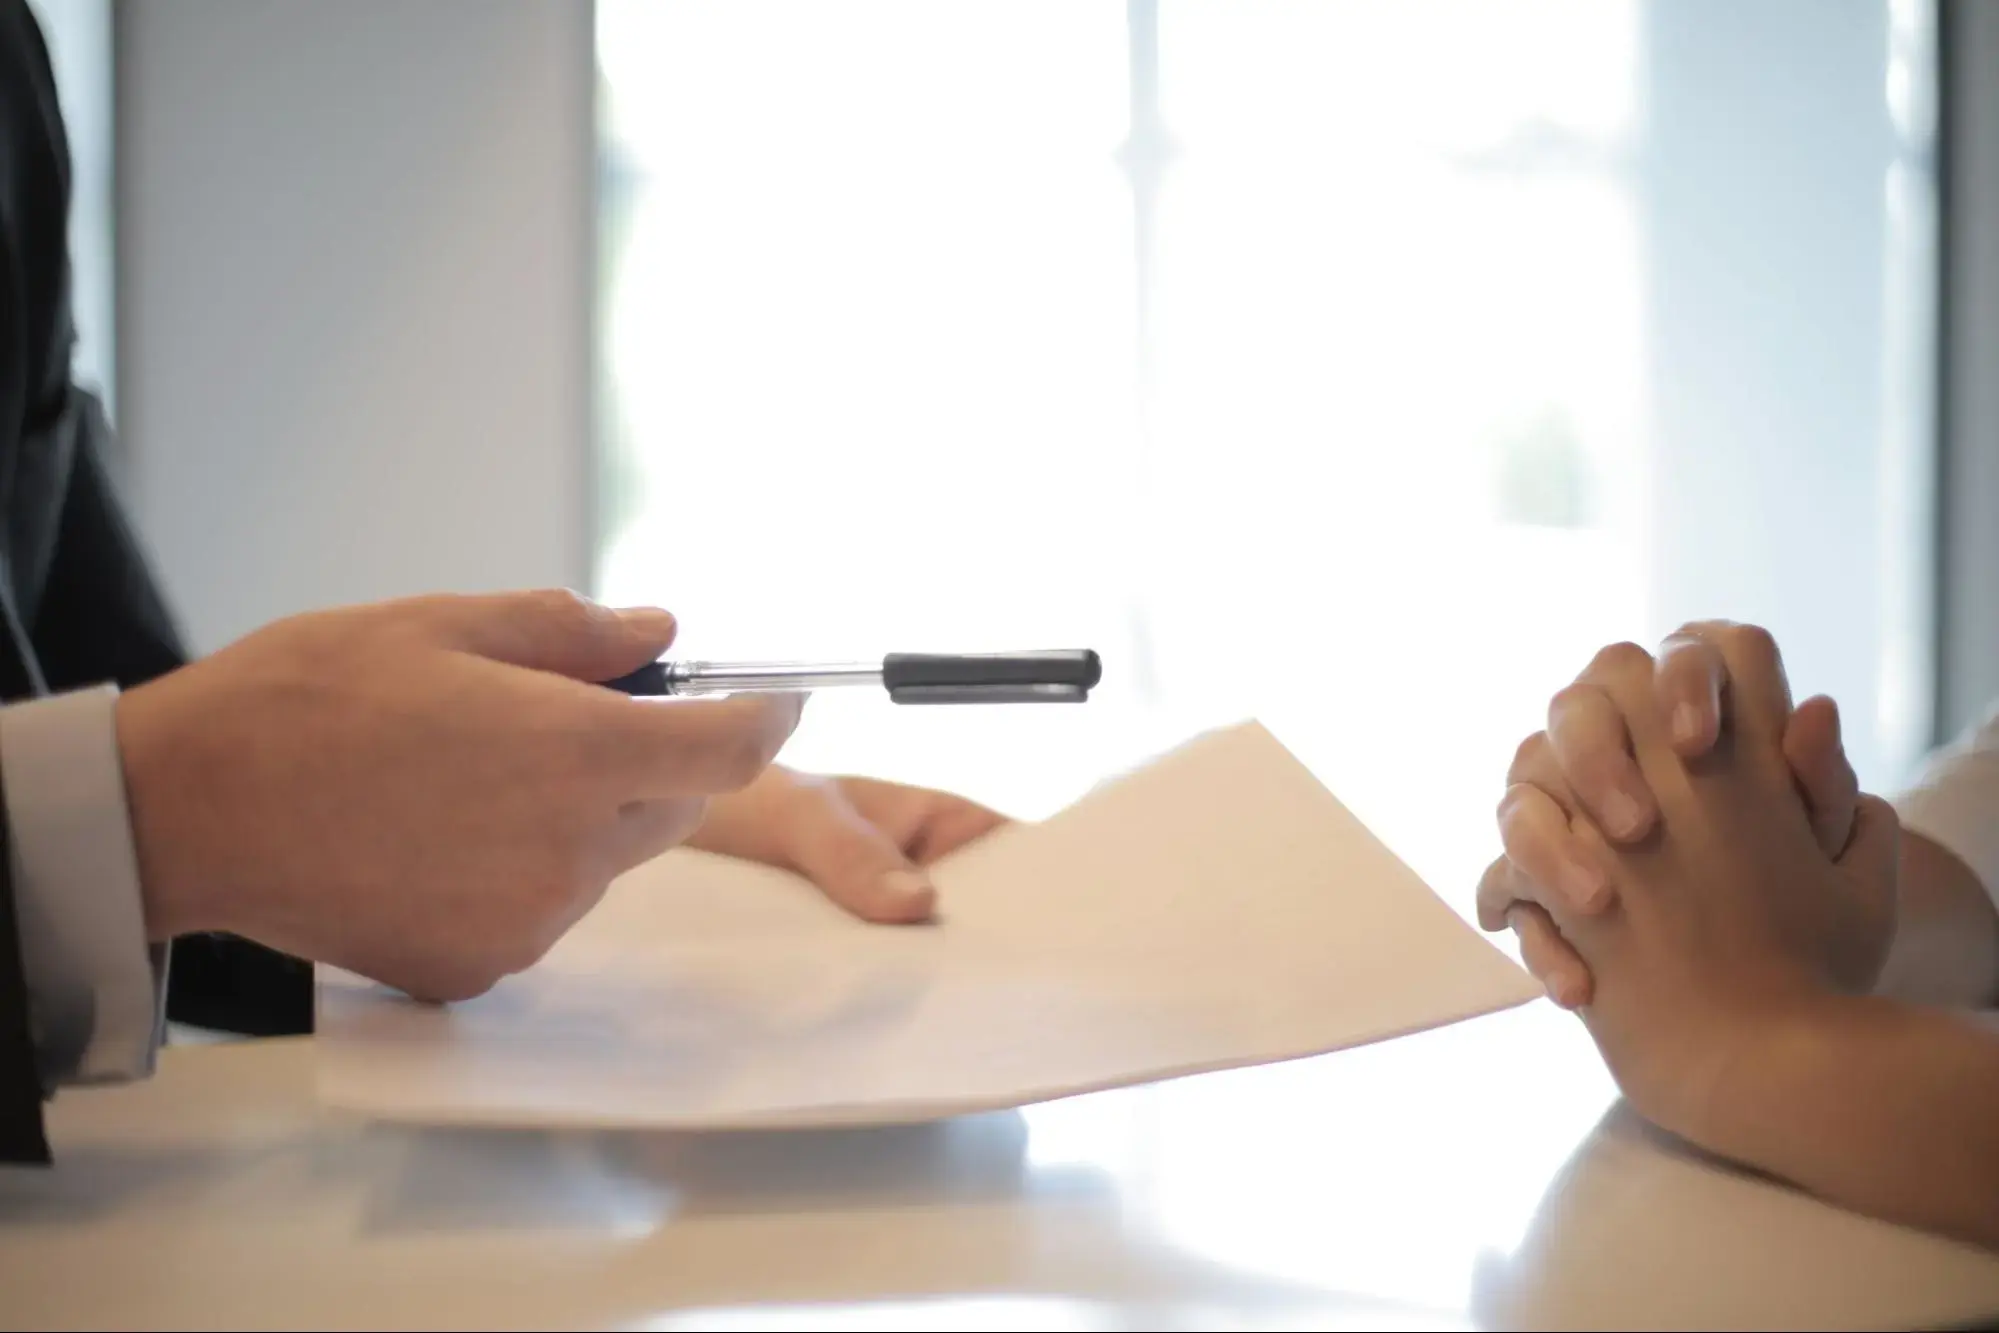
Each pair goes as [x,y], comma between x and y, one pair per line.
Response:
[1869,806]
[1529,758]
[1754,641]
[1495,894]
[1578,699]
[1518,816]
[565,606]
[1569,695]
[1682,657]
[1619,659]
[1694,634]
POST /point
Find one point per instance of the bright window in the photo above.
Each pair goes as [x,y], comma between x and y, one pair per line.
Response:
[1358,366]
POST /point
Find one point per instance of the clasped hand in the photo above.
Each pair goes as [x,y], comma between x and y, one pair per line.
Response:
[1688,862]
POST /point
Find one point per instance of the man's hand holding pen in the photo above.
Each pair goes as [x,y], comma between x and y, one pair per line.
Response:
[430,792]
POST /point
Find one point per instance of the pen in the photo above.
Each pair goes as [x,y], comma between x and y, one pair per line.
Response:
[911,678]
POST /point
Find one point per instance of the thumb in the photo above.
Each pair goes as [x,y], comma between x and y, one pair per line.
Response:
[857,865]
[555,630]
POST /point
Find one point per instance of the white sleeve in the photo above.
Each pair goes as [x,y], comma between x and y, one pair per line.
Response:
[96,992]
[1956,802]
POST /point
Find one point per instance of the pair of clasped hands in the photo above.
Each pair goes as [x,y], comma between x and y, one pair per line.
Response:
[1690,866]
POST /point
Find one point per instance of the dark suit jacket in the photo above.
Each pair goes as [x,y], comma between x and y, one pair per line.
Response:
[78,604]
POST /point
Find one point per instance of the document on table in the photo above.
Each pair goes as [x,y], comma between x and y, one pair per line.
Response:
[1215,908]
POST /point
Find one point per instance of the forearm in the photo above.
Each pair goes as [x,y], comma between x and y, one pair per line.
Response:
[1946,946]
[1887,1108]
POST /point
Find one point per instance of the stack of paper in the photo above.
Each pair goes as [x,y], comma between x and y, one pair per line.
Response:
[1216,908]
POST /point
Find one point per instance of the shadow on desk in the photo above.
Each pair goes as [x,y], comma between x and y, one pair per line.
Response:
[92,1186]
[492,1178]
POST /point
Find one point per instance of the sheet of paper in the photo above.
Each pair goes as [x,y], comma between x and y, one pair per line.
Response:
[1215,908]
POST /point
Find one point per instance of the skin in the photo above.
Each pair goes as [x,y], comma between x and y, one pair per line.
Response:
[864,842]
[1730,948]
[1944,940]
[430,792]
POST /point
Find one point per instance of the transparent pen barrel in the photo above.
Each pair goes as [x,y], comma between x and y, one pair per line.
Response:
[692,678]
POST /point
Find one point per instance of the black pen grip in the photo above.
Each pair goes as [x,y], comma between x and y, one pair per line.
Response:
[648,681]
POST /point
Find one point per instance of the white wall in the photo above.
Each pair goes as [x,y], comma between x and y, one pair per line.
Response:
[1970,602]
[1778,465]
[355,259]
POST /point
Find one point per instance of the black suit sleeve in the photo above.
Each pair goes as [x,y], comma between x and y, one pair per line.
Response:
[78,602]
[102,618]
[22,1137]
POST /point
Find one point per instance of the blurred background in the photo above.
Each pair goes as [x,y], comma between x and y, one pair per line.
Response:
[1357,365]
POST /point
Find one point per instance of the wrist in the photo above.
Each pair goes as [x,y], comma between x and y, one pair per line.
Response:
[1775,1070]
[176,900]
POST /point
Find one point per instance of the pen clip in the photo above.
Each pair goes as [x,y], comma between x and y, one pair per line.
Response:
[1065,676]
[988,694]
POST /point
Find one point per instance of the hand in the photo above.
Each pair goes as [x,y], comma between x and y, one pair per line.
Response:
[1583,763]
[428,792]
[863,842]
[1731,925]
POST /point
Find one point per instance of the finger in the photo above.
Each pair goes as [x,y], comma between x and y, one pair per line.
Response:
[1758,703]
[1534,763]
[926,824]
[854,863]
[1500,889]
[1543,952]
[692,747]
[1825,777]
[1626,673]
[550,629]
[1590,741]
[1689,681]
[1546,852]
[949,829]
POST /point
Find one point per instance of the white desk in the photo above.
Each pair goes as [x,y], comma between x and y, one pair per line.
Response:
[1422,1184]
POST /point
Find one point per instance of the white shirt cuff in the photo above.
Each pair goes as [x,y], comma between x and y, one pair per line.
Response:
[1956,802]
[96,992]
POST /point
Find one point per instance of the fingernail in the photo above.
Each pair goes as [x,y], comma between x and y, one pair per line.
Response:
[648,620]
[1686,724]
[1583,885]
[911,887]
[1621,815]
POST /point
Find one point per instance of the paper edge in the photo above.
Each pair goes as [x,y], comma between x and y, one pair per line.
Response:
[880,1113]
